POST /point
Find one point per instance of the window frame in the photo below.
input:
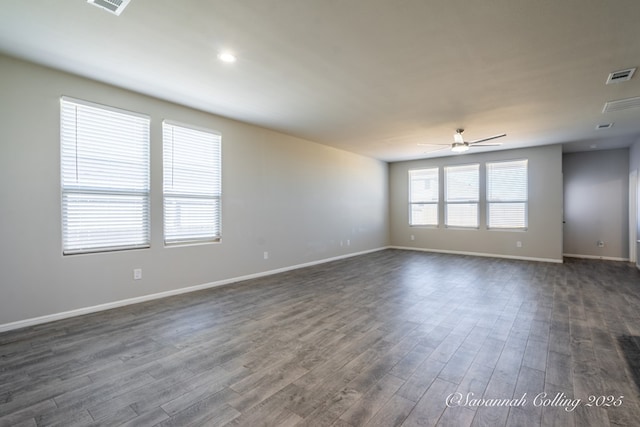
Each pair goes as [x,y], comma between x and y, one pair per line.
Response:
[469,201]
[215,195]
[82,194]
[435,202]
[525,201]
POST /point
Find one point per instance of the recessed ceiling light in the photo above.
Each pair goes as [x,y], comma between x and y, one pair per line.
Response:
[227,57]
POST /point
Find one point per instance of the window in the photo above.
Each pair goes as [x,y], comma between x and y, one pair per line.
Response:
[423,197]
[104,178]
[507,194]
[192,184]
[462,191]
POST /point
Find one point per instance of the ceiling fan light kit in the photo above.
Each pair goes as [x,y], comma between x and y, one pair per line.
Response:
[459,147]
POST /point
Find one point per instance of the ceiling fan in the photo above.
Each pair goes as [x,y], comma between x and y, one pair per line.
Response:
[459,145]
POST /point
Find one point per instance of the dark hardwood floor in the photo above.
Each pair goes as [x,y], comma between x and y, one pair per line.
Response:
[380,340]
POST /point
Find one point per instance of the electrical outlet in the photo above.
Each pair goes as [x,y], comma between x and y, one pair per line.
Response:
[348,242]
[600,244]
[266,255]
[413,237]
[518,244]
[137,274]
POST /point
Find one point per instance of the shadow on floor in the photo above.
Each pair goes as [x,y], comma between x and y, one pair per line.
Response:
[630,346]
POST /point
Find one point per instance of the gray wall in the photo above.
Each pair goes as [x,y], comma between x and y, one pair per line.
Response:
[596,203]
[293,198]
[542,239]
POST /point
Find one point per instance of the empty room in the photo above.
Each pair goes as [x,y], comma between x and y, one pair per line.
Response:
[319,213]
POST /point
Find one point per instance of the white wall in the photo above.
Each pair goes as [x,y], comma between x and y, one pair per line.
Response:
[542,239]
[293,198]
[596,203]
[634,165]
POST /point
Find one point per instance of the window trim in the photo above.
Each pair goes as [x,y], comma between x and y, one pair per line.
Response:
[488,202]
[475,202]
[436,203]
[96,191]
[177,242]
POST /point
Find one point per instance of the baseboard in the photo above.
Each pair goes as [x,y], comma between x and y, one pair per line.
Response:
[121,303]
[606,258]
[480,254]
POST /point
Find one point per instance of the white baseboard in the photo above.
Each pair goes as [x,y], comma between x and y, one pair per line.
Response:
[606,258]
[121,303]
[480,254]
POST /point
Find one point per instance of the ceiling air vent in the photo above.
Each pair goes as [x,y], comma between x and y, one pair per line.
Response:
[604,126]
[620,76]
[622,104]
[114,6]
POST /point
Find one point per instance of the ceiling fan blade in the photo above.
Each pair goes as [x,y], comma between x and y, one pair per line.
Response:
[425,144]
[487,139]
[491,144]
[437,149]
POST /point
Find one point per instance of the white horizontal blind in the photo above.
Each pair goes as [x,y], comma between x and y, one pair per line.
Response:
[104,178]
[507,194]
[462,191]
[423,196]
[192,184]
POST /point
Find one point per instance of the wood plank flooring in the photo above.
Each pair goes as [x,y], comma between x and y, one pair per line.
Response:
[376,340]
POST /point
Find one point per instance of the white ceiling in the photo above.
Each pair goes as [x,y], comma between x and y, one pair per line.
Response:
[376,77]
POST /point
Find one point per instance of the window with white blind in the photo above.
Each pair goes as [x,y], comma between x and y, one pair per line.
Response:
[104,178]
[462,190]
[507,194]
[192,184]
[423,197]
